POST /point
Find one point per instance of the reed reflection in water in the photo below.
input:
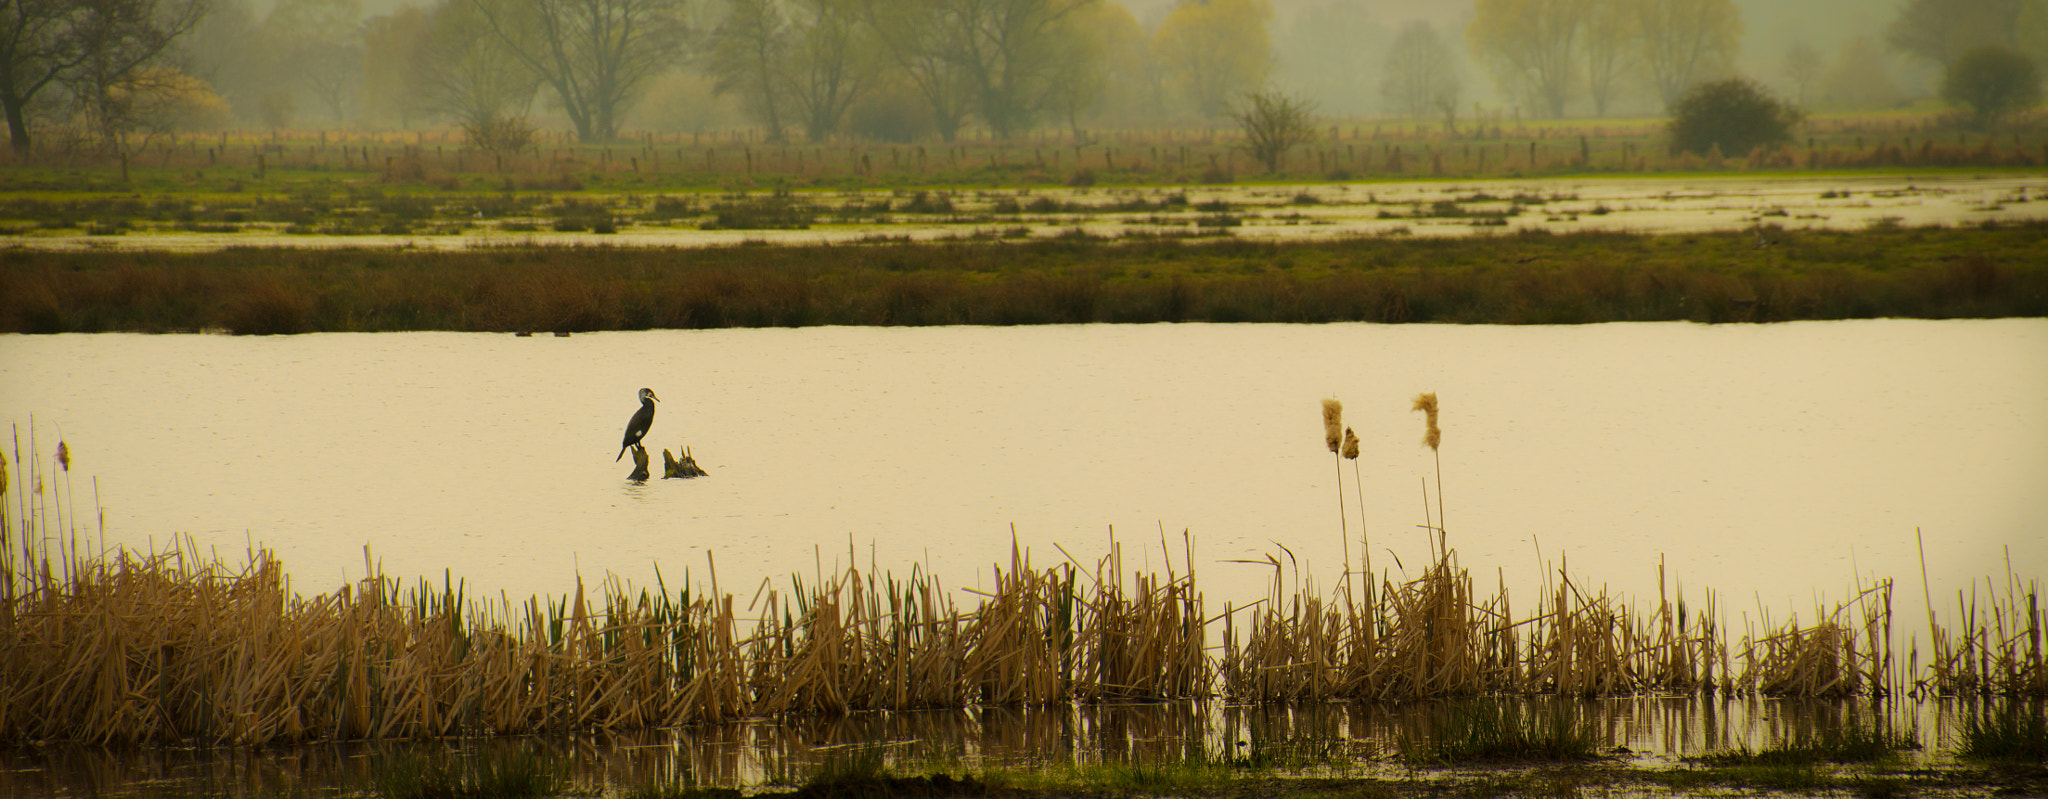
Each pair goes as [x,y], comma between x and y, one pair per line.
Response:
[1314,738]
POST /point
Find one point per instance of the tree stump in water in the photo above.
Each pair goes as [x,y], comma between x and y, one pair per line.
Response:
[683,467]
[640,463]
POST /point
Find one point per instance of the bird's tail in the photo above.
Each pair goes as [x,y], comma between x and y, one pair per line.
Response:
[622,454]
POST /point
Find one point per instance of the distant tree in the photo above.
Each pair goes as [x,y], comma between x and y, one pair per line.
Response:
[595,55]
[393,46]
[90,46]
[156,101]
[834,61]
[1860,76]
[1274,123]
[1992,81]
[1215,50]
[320,47]
[1610,48]
[1422,77]
[1532,46]
[465,72]
[916,39]
[1735,115]
[1332,54]
[1940,31]
[1687,41]
[1803,67]
[749,52]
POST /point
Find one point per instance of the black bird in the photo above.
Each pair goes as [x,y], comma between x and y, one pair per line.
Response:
[642,419]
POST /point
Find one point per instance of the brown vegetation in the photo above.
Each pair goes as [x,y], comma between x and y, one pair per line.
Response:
[1991,271]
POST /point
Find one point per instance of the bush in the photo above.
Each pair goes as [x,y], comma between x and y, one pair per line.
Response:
[1992,81]
[1736,115]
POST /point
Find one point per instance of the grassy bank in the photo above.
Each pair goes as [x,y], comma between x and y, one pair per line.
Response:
[1523,278]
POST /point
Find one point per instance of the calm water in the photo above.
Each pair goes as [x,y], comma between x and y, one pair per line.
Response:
[1357,740]
[1774,464]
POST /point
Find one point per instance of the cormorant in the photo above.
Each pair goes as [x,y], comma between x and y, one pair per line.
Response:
[642,419]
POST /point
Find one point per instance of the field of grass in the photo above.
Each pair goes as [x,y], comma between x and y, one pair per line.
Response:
[1992,270]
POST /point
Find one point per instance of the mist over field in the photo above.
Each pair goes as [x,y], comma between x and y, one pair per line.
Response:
[939,70]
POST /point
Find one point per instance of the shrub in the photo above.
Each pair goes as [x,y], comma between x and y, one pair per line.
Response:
[1735,114]
[1274,123]
[1992,81]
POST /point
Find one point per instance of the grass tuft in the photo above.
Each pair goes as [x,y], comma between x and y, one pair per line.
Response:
[2015,731]
[1502,730]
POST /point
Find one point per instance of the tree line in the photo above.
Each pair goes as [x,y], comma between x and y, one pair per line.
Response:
[97,72]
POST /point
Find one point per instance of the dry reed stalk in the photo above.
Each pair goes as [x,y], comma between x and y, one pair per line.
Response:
[1432,437]
[1334,433]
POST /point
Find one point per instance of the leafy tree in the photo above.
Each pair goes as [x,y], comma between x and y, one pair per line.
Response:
[1532,46]
[1274,123]
[1687,41]
[595,55]
[1940,31]
[1735,115]
[91,46]
[1213,51]
[1422,74]
[155,101]
[1992,81]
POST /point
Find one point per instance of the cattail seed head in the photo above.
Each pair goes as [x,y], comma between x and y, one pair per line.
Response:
[1333,423]
[1350,444]
[1426,403]
[64,455]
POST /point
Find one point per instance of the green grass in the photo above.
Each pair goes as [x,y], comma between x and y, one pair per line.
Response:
[516,775]
[2013,731]
[1506,730]
[1849,743]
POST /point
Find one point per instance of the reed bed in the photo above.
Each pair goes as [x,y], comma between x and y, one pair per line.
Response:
[113,646]
[1522,278]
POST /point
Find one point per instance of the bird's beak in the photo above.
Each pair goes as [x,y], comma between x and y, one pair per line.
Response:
[650,395]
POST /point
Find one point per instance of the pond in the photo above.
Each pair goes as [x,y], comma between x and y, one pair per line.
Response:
[1777,466]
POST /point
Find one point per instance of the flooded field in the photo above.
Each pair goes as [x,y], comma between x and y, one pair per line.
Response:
[369,218]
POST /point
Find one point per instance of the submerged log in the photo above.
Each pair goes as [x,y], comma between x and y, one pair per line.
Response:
[685,466]
[640,463]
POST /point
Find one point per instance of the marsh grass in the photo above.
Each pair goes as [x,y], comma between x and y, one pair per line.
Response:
[2015,731]
[1523,278]
[505,775]
[1501,730]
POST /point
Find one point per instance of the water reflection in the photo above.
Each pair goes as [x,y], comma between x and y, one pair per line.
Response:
[1308,739]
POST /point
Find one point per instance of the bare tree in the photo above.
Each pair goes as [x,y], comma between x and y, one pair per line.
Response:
[90,46]
[1532,46]
[466,72]
[593,54]
[748,54]
[1422,74]
[1687,42]
[915,38]
[1274,123]
[833,63]
[1803,66]
[1609,49]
